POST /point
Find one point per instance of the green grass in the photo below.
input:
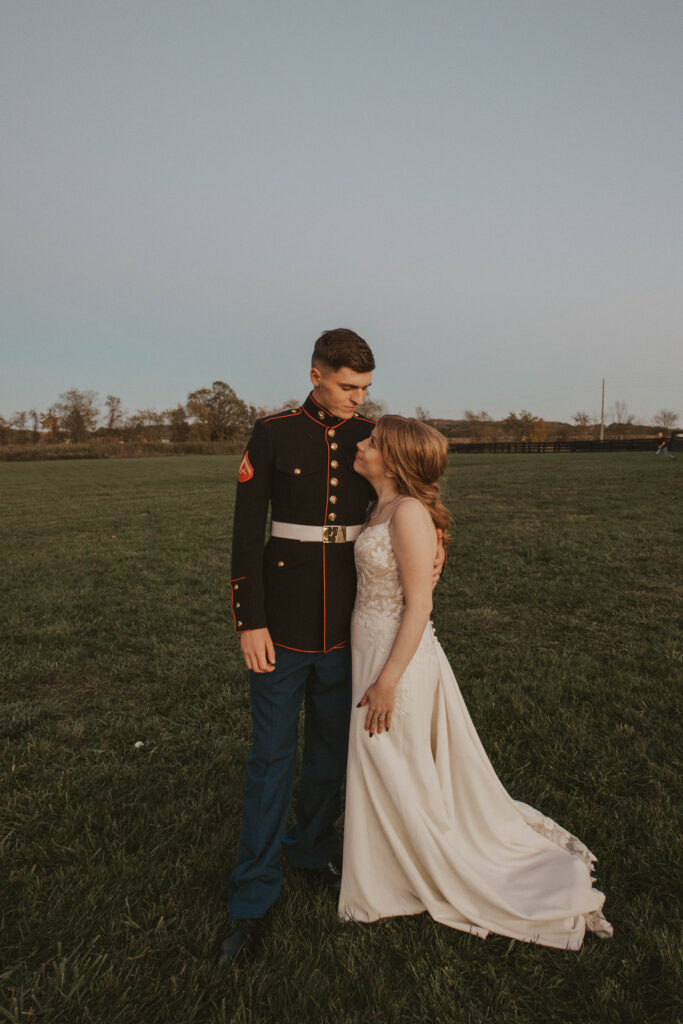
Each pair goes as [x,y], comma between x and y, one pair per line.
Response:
[560,612]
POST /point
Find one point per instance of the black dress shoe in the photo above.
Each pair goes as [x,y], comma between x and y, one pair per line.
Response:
[327,878]
[244,939]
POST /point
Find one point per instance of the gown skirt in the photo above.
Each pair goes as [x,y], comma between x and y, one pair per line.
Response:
[428,824]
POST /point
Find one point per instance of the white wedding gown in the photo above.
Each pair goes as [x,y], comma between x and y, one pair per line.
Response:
[429,826]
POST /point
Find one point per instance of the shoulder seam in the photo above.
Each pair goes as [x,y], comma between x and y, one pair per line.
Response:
[282,415]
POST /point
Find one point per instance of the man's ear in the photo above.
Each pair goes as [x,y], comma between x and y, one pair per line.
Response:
[316,376]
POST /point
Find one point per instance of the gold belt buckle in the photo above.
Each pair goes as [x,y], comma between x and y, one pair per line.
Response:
[334,534]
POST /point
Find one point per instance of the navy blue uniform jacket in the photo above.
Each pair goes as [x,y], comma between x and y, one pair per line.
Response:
[299,462]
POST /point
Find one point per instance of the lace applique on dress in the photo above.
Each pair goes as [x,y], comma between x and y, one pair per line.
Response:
[379,594]
[596,922]
[379,607]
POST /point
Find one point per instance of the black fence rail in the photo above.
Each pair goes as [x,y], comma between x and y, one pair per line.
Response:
[629,444]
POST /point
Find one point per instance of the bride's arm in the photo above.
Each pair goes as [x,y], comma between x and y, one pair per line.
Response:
[413,539]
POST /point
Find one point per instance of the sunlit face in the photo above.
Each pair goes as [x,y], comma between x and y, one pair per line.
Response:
[369,462]
[340,391]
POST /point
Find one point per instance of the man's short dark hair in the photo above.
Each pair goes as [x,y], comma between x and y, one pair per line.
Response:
[342,347]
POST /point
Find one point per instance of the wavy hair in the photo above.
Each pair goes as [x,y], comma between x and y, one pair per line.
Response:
[416,454]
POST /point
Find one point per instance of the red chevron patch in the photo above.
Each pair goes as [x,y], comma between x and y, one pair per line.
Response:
[246,469]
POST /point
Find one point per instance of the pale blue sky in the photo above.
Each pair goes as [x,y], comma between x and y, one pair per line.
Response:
[490,192]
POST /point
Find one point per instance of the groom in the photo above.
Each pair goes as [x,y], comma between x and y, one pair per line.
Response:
[292,604]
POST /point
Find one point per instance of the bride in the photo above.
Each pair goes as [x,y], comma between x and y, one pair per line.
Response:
[429,826]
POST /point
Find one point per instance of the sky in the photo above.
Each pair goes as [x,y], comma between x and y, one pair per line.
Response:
[490,192]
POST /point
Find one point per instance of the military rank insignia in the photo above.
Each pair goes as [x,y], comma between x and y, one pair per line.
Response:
[246,469]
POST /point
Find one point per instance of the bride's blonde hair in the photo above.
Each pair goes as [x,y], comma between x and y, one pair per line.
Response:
[416,454]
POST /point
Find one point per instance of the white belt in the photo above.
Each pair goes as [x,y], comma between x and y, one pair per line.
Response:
[322,534]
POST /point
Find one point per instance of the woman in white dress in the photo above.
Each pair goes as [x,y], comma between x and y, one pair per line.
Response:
[429,826]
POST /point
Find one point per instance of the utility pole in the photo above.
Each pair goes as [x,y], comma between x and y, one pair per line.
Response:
[602,413]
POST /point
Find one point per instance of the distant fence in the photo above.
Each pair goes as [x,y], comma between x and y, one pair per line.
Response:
[629,444]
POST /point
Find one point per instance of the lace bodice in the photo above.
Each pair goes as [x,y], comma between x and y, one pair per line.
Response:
[379,594]
[378,610]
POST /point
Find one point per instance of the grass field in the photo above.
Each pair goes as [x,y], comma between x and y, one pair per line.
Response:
[560,612]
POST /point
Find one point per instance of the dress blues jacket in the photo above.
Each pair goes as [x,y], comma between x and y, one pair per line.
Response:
[299,462]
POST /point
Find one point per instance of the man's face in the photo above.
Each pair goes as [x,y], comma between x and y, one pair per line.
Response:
[340,391]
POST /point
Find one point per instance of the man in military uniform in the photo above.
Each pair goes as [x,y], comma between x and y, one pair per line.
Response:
[292,604]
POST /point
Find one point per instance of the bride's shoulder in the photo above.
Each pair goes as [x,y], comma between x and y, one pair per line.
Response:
[409,513]
[413,535]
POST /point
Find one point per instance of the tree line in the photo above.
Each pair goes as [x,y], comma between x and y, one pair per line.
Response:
[525,426]
[208,414]
[218,414]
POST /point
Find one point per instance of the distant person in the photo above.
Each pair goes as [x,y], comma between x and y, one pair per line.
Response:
[292,603]
[663,446]
[428,825]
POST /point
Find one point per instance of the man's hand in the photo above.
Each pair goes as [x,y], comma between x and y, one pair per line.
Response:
[258,650]
[439,558]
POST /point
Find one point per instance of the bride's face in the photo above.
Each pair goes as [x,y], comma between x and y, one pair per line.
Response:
[369,462]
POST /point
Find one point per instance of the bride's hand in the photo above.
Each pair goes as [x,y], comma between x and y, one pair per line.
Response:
[379,700]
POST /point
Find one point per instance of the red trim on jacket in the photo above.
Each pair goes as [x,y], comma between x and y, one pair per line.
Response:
[325,426]
[356,415]
[283,415]
[300,650]
[315,402]
[327,412]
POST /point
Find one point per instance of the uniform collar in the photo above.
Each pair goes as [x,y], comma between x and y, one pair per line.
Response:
[318,413]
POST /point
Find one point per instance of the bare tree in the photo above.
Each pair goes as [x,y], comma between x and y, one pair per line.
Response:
[147,422]
[34,417]
[4,431]
[115,413]
[257,412]
[421,413]
[665,418]
[621,415]
[583,421]
[372,408]
[78,413]
[520,426]
[18,422]
[478,423]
